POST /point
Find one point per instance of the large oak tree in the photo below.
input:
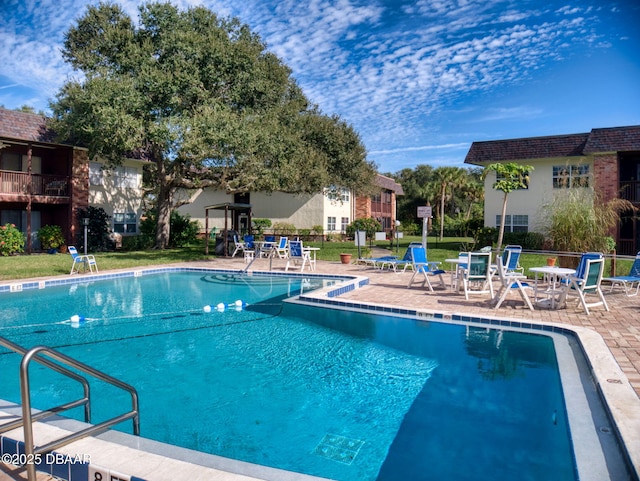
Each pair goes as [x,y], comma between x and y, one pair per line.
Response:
[204,102]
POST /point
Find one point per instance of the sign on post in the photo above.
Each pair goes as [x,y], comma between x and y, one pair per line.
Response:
[360,240]
[424,213]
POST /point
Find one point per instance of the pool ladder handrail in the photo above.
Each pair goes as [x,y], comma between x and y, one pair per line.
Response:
[34,354]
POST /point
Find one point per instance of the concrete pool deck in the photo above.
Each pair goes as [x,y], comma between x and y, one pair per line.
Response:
[619,328]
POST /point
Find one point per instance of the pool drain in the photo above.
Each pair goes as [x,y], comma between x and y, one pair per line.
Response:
[338,448]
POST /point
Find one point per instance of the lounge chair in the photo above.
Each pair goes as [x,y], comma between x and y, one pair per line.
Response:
[510,281]
[85,261]
[405,262]
[422,266]
[586,281]
[628,281]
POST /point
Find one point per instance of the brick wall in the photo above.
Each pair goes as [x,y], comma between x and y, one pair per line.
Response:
[606,175]
[79,188]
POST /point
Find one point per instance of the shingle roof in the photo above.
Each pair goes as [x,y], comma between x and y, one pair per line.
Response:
[24,126]
[616,139]
[389,184]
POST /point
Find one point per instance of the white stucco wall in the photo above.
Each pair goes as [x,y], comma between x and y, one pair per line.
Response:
[118,199]
[531,201]
[303,211]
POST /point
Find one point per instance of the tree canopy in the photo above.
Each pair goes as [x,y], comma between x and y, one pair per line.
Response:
[204,102]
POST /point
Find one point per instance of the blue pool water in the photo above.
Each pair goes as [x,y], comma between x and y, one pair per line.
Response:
[338,394]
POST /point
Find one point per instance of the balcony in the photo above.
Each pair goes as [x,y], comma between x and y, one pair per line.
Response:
[16,184]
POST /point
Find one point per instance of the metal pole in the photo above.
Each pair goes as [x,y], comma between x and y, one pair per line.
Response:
[85,239]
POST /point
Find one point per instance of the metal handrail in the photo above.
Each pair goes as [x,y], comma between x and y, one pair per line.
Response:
[35,354]
[83,401]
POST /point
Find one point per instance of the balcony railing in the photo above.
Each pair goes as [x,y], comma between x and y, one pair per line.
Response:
[630,190]
[12,182]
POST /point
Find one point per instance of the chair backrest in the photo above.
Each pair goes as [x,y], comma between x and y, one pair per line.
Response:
[283,243]
[407,255]
[635,268]
[582,265]
[248,239]
[418,256]
[463,260]
[592,274]
[479,265]
[73,251]
[295,249]
[269,238]
[511,257]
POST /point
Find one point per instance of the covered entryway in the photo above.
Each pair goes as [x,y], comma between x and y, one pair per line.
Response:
[238,212]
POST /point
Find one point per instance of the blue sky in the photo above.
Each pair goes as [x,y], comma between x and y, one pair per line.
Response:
[419,80]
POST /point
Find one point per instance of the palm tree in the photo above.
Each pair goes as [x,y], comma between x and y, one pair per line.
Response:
[444,178]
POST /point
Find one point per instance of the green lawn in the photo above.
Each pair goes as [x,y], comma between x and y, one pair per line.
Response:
[40,265]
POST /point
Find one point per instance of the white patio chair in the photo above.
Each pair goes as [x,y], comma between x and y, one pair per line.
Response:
[298,256]
[510,281]
[476,277]
[585,282]
[422,266]
[87,261]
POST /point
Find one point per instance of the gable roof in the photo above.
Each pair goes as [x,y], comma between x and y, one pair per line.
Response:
[389,184]
[24,126]
[616,139]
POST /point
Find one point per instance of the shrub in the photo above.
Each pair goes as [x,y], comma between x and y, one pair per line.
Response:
[50,237]
[283,228]
[183,230]
[487,236]
[528,240]
[259,225]
[98,230]
[369,225]
[11,240]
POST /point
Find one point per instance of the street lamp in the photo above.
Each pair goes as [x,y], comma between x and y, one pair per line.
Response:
[397,237]
[85,223]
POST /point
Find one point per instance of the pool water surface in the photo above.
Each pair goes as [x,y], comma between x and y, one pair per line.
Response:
[337,394]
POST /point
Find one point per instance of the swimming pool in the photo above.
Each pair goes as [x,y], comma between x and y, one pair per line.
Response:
[379,396]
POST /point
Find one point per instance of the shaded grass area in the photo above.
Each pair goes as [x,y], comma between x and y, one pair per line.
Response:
[42,265]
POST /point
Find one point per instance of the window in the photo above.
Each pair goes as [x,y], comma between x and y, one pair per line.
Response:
[331,224]
[344,195]
[514,223]
[126,177]
[566,176]
[124,223]
[344,224]
[95,173]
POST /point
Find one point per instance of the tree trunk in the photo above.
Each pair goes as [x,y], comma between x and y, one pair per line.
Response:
[442,198]
[502,220]
[164,204]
